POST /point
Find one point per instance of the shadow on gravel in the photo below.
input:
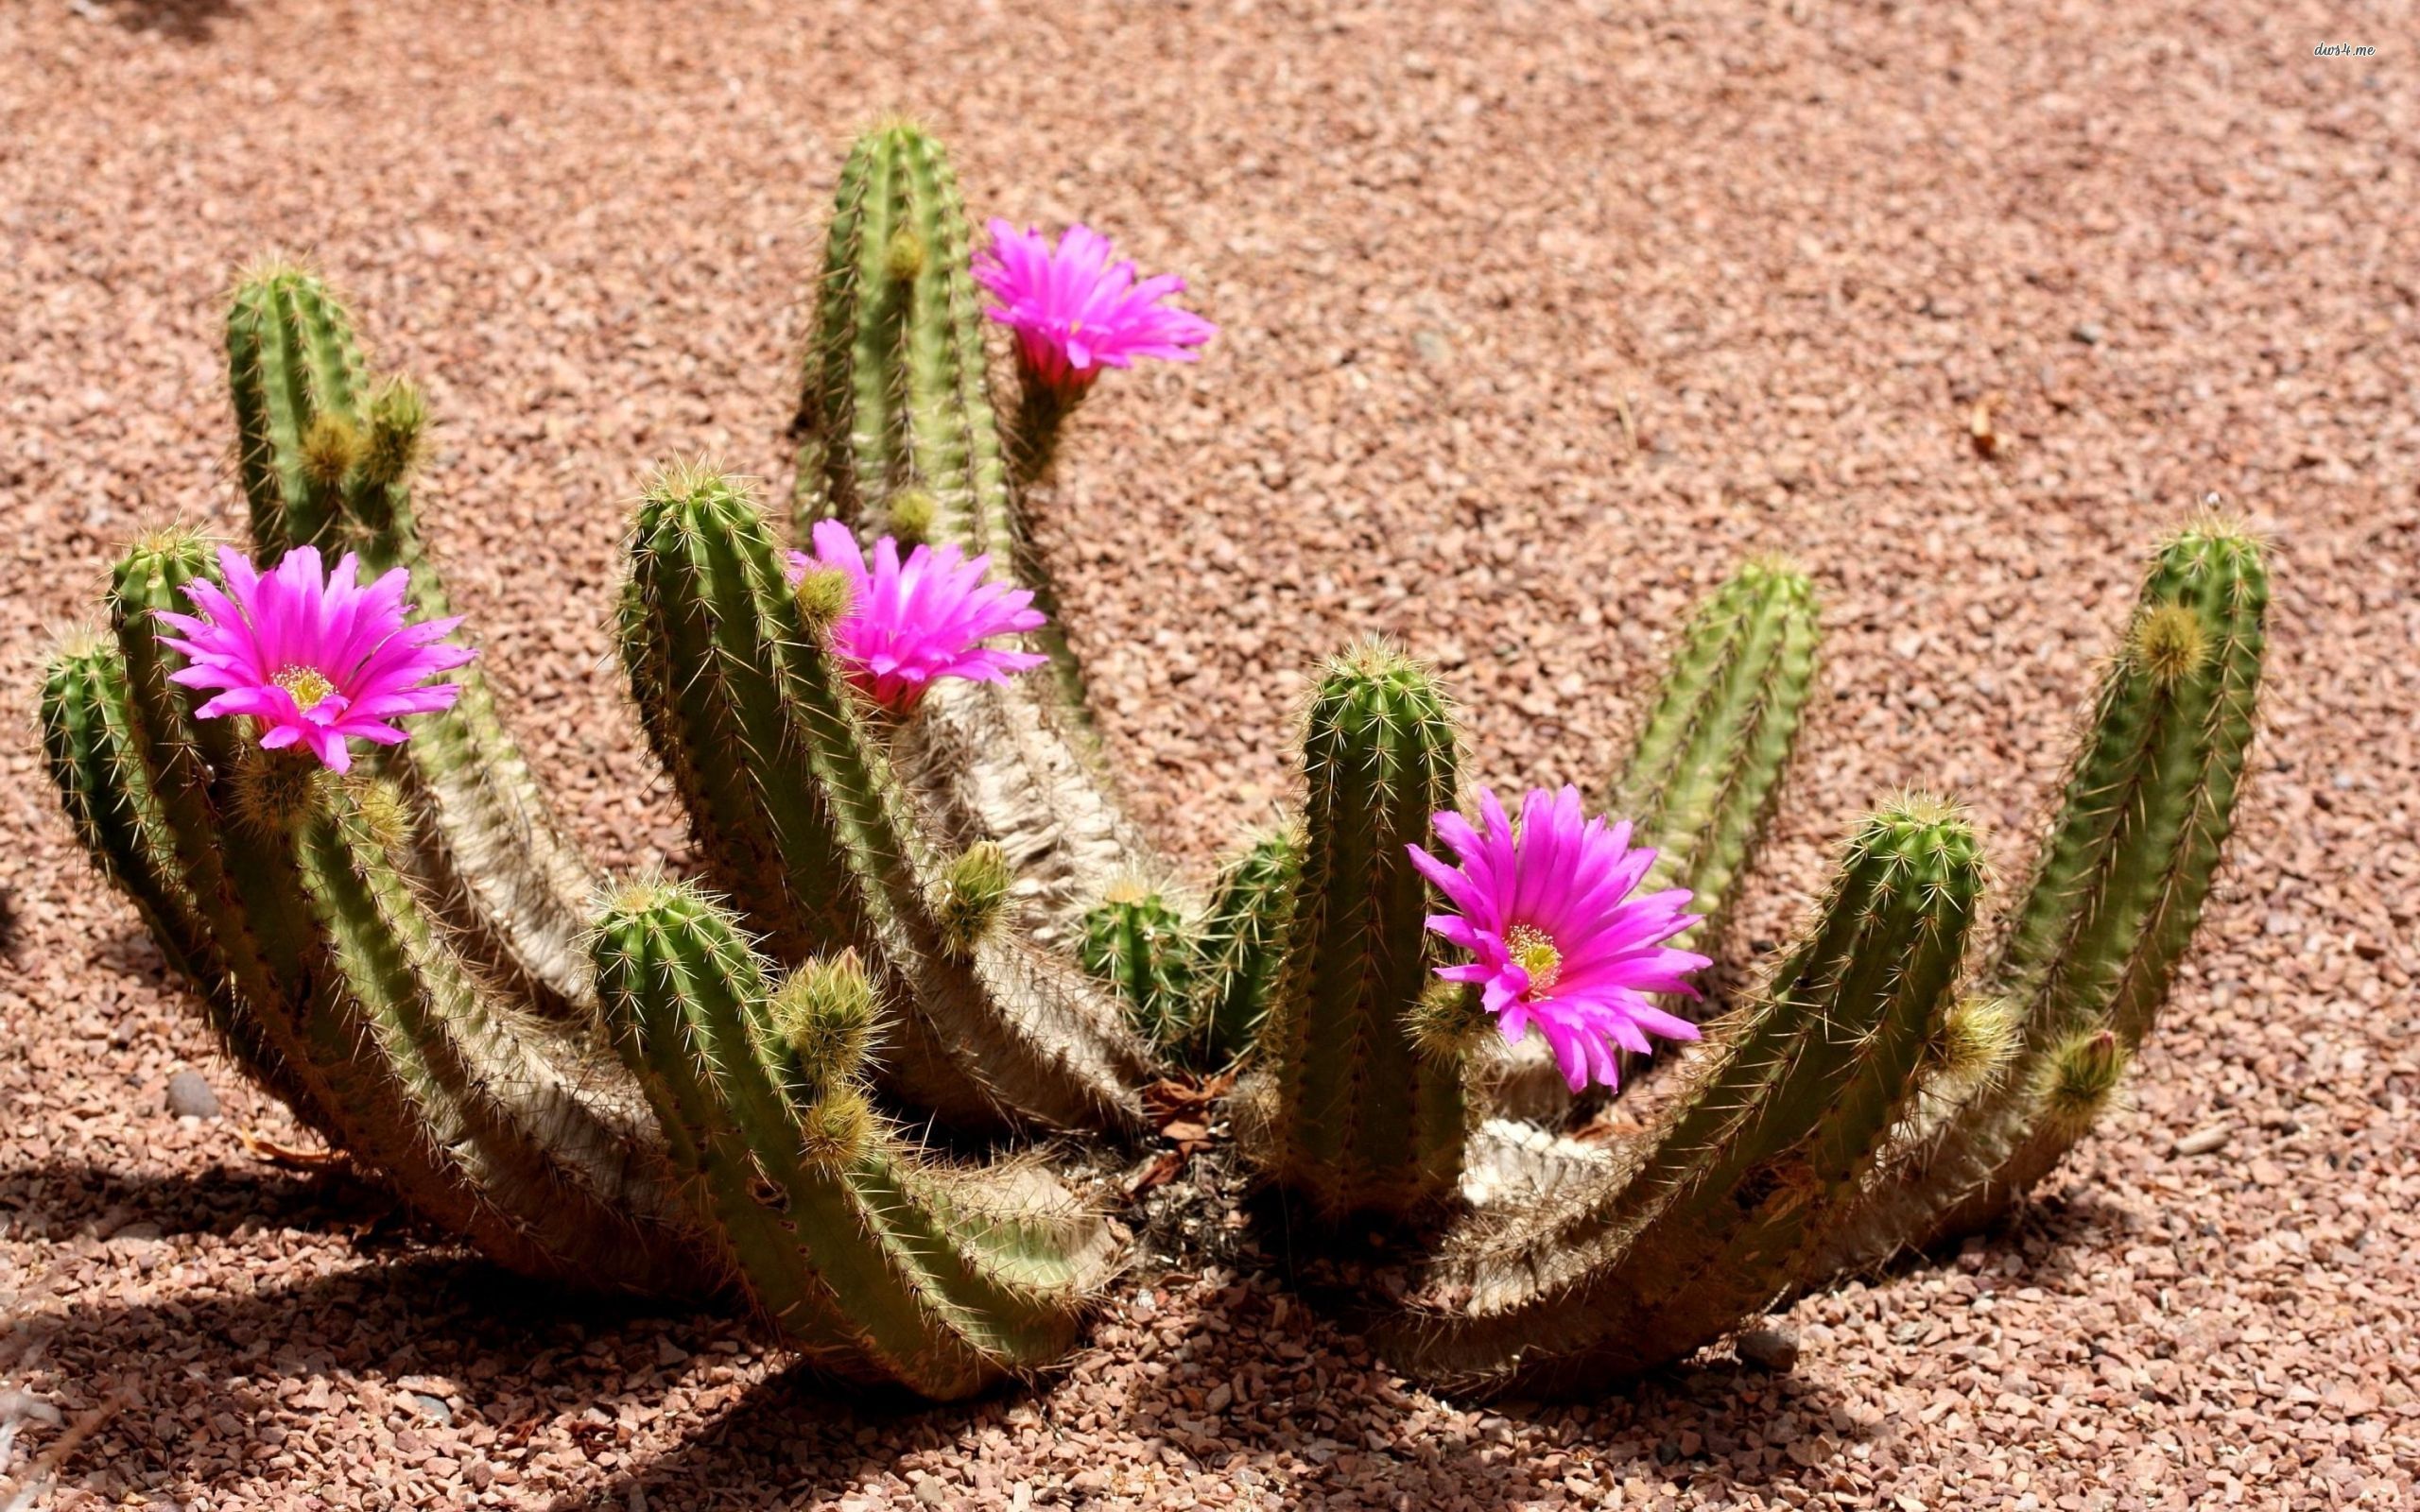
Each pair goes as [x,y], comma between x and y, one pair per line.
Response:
[75,1197]
[184,21]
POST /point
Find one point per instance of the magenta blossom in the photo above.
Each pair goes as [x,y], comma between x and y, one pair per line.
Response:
[1075,312]
[908,624]
[316,658]
[1558,940]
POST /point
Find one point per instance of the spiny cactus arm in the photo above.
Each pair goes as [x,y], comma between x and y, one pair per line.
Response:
[898,435]
[314,981]
[1140,944]
[291,365]
[873,1264]
[555,1146]
[806,826]
[2117,891]
[1790,1105]
[109,799]
[1702,778]
[327,459]
[1350,1115]
[1243,942]
[896,402]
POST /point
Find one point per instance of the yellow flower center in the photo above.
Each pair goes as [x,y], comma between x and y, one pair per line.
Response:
[1533,950]
[306,685]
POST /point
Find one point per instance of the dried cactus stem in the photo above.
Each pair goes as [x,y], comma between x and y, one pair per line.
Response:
[875,1265]
[2114,897]
[1357,1121]
[1739,1183]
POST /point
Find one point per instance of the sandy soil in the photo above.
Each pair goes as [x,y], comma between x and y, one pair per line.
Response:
[1536,317]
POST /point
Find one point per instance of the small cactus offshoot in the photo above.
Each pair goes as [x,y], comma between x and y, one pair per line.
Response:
[837,1073]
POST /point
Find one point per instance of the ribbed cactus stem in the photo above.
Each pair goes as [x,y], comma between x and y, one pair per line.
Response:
[877,1266]
[1243,943]
[897,434]
[1352,1118]
[87,739]
[350,1001]
[896,405]
[1730,1190]
[1702,778]
[1142,946]
[2116,893]
[327,459]
[803,822]
[291,363]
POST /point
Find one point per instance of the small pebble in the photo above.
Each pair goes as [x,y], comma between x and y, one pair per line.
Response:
[2206,1141]
[1768,1348]
[189,1096]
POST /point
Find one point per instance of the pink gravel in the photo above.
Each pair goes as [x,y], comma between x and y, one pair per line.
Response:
[1534,319]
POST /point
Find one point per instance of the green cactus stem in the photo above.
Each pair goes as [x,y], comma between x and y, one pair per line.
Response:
[1790,1107]
[2114,900]
[801,822]
[326,458]
[1350,1115]
[1143,947]
[897,434]
[875,1264]
[336,988]
[1702,781]
[1243,943]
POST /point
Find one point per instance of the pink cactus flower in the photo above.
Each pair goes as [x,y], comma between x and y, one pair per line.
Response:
[316,658]
[1558,940]
[909,623]
[1075,312]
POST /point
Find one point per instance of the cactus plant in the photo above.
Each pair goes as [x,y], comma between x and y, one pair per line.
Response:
[2116,894]
[791,793]
[654,1088]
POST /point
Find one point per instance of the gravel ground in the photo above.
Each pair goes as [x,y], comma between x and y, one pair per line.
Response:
[1535,319]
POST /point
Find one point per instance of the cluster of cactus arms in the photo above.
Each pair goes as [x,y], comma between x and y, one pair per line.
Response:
[944,921]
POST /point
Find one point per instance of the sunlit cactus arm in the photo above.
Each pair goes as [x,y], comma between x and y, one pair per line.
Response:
[803,823]
[328,458]
[1138,943]
[877,1265]
[898,436]
[1702,778]
[87,740]
[1349,1114]
[1785,1111]
[351,1002]
[2114,896]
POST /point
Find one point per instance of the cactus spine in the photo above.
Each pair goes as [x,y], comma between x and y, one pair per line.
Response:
[1730,1190]
[898,434]
[801,820]
[1352,1116]
[326,459]
[2116,894]
[873,1264]
[1702,781]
